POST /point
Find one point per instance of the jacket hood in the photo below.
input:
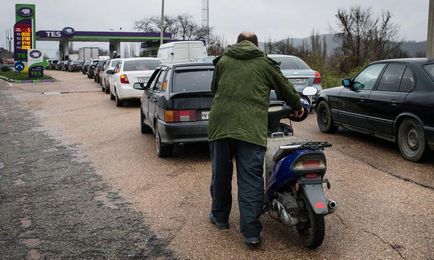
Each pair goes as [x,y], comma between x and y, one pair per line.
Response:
[244,50]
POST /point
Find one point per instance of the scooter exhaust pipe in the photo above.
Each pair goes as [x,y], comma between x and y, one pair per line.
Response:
[281,214]
[331,204]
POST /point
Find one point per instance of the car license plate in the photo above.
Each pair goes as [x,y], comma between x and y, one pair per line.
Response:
[141,80]
[205,115]
[297,81]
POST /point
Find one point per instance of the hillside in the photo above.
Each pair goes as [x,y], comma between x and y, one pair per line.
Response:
[413,48]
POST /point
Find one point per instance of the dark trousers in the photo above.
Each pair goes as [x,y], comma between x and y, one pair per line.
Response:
[249,160]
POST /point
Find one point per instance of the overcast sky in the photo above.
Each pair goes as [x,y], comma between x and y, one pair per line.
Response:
[275,19]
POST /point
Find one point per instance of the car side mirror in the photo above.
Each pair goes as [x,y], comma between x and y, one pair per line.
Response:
[111,72]
[347,83]
[138,86]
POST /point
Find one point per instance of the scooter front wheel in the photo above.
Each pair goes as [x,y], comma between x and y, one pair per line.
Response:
[312,230]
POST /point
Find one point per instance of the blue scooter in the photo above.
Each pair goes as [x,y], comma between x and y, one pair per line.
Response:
[294,176]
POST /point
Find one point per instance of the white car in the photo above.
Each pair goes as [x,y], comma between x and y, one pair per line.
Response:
[105,78]
[128,72]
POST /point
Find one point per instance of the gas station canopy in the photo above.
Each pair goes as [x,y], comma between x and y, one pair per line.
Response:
[69,34]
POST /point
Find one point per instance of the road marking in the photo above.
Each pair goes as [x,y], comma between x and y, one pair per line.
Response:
[52,93]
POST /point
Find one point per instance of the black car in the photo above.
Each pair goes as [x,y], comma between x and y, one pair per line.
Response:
[85,66]
[390,99]
[91,68]
[59,65]
[98,68]
[176,104]
[65,65]
[52,64]
[75,65]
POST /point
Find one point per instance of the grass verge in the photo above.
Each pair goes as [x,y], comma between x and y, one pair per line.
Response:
[19,75]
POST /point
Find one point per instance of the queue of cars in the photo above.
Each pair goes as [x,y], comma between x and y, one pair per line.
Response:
[389,99]
[175,98]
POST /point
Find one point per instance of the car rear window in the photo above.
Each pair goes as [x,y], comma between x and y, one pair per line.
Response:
[192,80]
[133,65]
[430,70]
[291,63]
[114,63]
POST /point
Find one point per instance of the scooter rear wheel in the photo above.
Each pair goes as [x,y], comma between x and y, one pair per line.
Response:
[311,232]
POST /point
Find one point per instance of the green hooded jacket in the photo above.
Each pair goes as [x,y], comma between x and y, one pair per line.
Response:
[243,78]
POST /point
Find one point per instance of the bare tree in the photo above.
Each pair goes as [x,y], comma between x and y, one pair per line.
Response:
[365,37]
[216,46]
[180,27]
[186,26]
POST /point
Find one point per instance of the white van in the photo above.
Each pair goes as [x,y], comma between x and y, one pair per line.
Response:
[185,51]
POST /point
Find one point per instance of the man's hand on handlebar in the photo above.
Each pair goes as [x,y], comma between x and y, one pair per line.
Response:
[299,113]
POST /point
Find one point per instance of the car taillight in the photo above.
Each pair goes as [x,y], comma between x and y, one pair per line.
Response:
[179,115]
[317,79]
[124,79]
[310,164]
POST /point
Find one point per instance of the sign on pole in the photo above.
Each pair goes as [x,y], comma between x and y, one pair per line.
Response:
[19,66]
[35,63]
[24,31]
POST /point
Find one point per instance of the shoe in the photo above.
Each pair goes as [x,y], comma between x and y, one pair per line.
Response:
[217,224]
[253,242]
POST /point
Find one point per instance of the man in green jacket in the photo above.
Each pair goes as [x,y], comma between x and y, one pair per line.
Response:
[243,78]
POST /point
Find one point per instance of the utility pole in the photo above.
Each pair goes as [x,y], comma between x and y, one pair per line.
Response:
[162,22]
[430,43]
[9,38]
[205,18]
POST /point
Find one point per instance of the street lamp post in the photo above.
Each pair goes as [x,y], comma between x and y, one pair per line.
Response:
[162,22]
[430,43]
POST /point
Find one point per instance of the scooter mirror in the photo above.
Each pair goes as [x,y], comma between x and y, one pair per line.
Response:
[272,109]
[309,91]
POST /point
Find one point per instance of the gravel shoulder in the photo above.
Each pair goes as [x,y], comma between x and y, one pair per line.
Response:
[54,205]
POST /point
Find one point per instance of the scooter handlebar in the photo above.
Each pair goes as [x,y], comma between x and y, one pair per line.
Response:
[280,110]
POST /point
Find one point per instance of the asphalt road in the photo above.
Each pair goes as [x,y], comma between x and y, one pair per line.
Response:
[106,174]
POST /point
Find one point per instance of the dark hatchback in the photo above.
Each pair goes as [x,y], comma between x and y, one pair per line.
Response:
[390,99]
[176,104]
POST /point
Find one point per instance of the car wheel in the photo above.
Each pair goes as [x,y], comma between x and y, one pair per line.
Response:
[112,97]
[411,140]
[107,89]
[163,150]
[119,102]
[144,127]
[324,118]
